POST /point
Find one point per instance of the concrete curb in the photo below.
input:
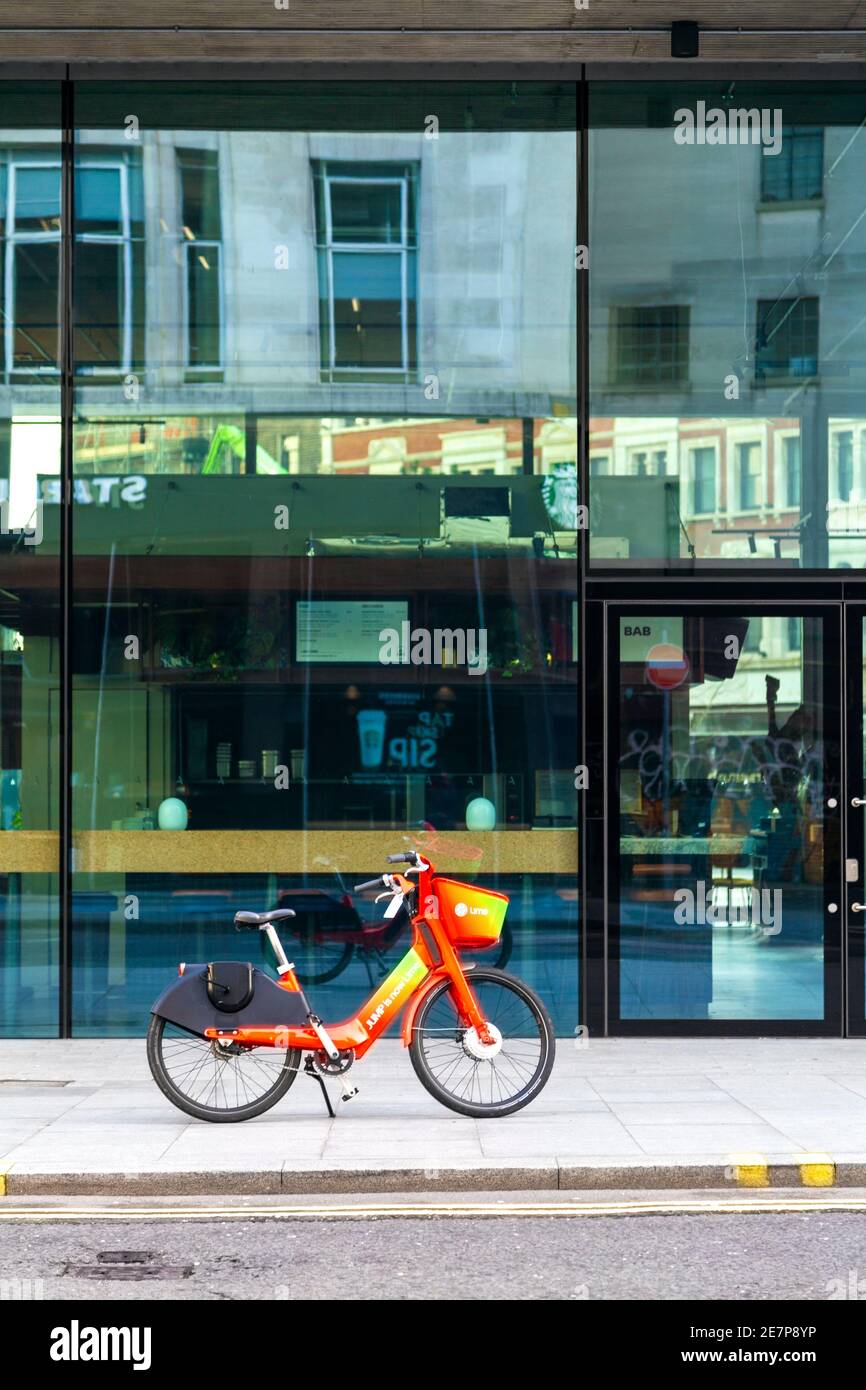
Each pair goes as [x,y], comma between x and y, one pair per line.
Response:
[484,1177]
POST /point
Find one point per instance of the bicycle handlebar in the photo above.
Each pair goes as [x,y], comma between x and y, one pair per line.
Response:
[409,856]
[373,883]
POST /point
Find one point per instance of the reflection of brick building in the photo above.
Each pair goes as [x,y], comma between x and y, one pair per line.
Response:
[736,481]
[450,446]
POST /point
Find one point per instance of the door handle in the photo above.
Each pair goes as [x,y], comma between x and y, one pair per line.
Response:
[858,907]
[858,801]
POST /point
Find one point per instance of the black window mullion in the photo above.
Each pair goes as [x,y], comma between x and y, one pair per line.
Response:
[67,405]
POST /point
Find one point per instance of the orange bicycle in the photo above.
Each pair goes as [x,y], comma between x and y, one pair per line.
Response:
[225,1040]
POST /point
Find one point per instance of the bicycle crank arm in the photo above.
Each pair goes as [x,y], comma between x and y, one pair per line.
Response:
[321,1032]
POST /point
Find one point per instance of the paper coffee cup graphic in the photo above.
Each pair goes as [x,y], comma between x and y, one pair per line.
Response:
[371,733]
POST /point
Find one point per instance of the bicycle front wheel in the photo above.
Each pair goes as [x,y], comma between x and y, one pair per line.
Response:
[468,1076]
[212,1082]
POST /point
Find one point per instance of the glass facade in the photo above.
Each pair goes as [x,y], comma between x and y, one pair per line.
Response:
[725,384]
[321,437]
[726,330]
[30,439]
[722,773]
[351,502]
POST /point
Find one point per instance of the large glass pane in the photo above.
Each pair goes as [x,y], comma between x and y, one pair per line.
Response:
[366,210]
[36,192]
[203,296]
[100,271]
[854,879]
[728,324]
[325,522]
[29,559]
[35,344]
[722,761]
[199,171]
[369,313]
[98,199]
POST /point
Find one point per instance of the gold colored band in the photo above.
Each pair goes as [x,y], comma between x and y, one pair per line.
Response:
[463,853]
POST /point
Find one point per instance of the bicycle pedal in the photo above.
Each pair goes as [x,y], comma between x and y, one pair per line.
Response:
[349,1093]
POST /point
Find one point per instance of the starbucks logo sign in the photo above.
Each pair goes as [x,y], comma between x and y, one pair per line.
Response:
[559,490]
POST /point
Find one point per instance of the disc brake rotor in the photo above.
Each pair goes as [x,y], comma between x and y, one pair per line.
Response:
[481,1051]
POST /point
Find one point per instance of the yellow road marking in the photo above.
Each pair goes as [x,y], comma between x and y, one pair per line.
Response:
[817,1170]
[748,1170]
[409,1210]
[752,1175]
[753,1170]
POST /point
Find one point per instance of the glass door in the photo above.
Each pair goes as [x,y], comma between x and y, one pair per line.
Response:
[724,842]
[855,815]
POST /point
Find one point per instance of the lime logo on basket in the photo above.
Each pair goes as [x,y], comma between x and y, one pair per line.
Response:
[460,910]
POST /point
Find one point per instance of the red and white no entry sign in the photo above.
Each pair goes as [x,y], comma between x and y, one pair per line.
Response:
[666,666]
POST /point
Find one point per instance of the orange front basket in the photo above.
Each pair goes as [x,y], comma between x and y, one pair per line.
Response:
[472,917]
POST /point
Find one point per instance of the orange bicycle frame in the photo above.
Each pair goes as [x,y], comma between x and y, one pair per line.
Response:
[411,979]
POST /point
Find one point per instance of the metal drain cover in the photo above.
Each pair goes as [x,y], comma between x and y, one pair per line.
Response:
[125,1257]
[27,1081]
[128,1264]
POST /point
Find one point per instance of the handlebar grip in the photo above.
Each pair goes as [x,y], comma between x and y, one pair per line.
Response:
[408,857]
[373,883]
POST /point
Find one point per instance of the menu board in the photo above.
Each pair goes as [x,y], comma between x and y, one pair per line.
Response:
[342,632]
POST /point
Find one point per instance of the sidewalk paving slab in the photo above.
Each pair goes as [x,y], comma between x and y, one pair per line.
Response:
[633,1113]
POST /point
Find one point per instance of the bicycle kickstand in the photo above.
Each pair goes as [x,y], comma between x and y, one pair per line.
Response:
[310,1070]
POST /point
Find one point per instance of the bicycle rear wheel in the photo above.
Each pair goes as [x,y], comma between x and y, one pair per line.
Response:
[463,1074]
[210,1082]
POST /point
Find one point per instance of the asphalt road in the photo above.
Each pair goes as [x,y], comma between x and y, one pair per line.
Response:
[729,1256]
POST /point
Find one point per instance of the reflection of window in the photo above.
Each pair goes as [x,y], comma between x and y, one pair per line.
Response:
[30,209]
[367,250]
[753,635]
[599,465]
[794,175]
[649,463]
[795,634]
[651,344]
[108,271]
[703,481]
[201,229]
[787,340]
[844,471]
[291,453]
[749,478]
[791,470]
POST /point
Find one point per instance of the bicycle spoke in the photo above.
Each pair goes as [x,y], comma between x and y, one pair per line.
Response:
[483,1082]
[220,1080]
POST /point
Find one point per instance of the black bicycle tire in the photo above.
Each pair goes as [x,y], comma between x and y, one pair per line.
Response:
[285,1078]
[541,1075]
